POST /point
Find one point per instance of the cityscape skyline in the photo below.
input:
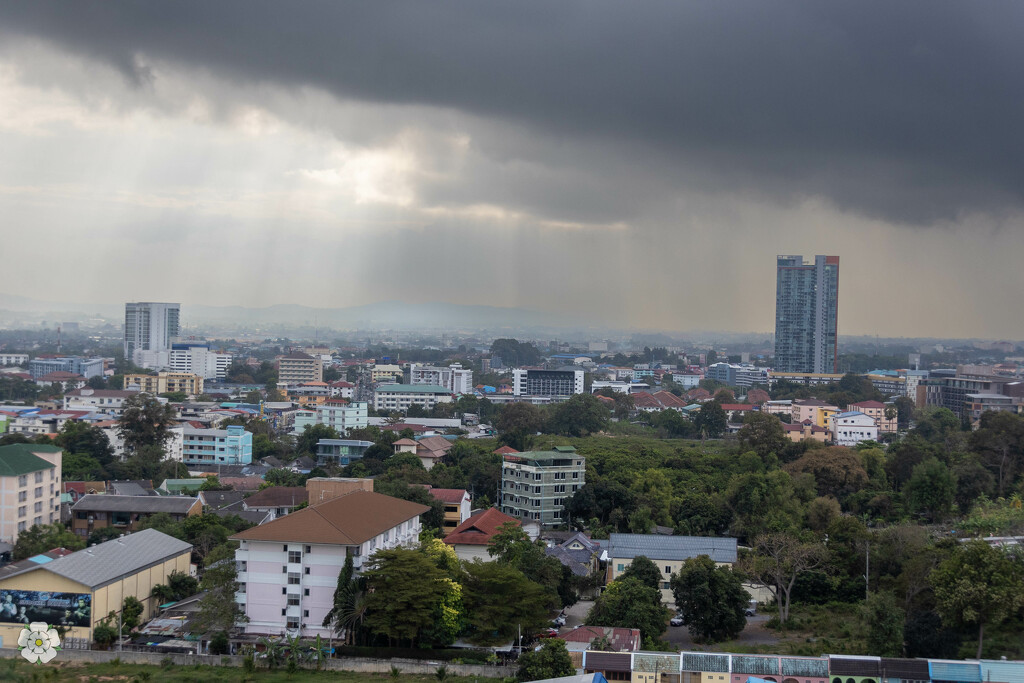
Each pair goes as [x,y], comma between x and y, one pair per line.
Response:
[568,178]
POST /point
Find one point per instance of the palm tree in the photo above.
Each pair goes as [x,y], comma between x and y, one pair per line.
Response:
[273,651]
[318,652]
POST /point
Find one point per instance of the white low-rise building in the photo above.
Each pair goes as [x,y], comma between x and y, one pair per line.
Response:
[105,401]
[455,378]
[850,428]
[401,396]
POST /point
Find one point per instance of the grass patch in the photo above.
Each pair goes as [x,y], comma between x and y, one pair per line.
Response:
[19,671]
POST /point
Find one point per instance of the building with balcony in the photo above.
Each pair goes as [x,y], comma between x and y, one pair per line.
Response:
[807,314]
[104,401]
[456,379]
[231,446]
[536,484]
[13,359]
[736,375]
[99,511]
[340,452]
[876,411]
[298,368]
[75,365]
[150,326]
[338,414]
[401,396]
[288,568]
[564,381]
[30,487]
[187,383]
[385,373]
[185,357]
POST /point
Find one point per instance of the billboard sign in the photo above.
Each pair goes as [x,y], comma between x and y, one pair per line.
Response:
[57,609]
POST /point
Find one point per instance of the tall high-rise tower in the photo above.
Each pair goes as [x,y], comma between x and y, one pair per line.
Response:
[807,314]
[150,326]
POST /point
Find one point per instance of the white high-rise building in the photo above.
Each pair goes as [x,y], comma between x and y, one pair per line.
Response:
[199,360]
[150,326]
[455,379]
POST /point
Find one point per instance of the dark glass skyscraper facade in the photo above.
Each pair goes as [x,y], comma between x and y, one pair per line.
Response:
[807,314]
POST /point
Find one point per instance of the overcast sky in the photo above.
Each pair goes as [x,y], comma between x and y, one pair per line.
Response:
[640,162]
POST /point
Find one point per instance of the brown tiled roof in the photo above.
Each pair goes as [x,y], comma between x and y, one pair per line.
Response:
[436,443]
[58,375]
[478,529]
[450,496]
[350,519]
[669,400]
[867,404]
[242,483]
[278,497]
[644,399]
[404,442]
[506,450]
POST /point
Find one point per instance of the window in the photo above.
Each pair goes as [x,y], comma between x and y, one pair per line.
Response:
[37,520]
[39,477]
[307,570]
[309,549]
[39,492]
[621,568]
[284,569]
[21,526]
[294,556]
[243,566]
[294,578]
[39,506]
[293,600]
[293,623]
[536,489]
[668,569]
[22,510]
[283,612]
[23,480]
[575,475]
[666,585]
[241,588]
[284,591]
[285,548]
[560,488]
[305,591]
[305,612]
[23,496]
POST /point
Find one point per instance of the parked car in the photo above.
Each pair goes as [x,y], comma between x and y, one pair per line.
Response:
[750,612]
[558,622]
[677,620]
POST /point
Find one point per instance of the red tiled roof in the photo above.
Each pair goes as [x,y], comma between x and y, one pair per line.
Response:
[669,400]
[450,496]
[59,376]
[643,399]
[478,529]
[620,639]
[506,450]
[404,442]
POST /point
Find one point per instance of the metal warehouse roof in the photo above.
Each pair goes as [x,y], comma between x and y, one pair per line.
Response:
[105,503]
[658,547]
[104,563]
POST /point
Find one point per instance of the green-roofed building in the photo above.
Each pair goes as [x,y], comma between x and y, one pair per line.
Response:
[29,487]
[536,484]
[401,396]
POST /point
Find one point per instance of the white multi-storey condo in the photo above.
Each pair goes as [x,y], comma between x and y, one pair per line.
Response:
[29,487]
[455,379]
[564,381]
[150,326]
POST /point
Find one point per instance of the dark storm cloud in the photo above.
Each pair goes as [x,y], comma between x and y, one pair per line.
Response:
[908,111]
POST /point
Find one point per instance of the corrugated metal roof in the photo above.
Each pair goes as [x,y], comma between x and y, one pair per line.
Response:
[104,503]
[910,669]
[815,667]
[946,670]
[657,547]
[101,564]
[607,661]
[753,664]
[844,665]
[700,661]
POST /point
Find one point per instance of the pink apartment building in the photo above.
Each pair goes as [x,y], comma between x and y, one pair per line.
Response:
[288,568]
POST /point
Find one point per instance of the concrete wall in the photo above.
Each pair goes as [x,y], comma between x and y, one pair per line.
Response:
[408,666]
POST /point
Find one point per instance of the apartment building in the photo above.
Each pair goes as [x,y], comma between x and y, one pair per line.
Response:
[99,511]
[456,379]
[44,421]
[401,396]
[288,568]
[104,401]
[385,373]
[186,357]
[187,383]
[13,358]
[298,368]
[737,375]
[150,326]
[564,381]
[75,365]
[807,314]
[30,488]
[876,411]
[852,427]
[231,446]
[340,415]
[536,484]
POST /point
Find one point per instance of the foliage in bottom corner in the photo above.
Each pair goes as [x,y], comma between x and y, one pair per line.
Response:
[551,661]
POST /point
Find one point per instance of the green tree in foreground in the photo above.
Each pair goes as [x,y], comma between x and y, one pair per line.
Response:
[712,598]
[631,604]
[145,422]
[403,591]
[551,661]
[218,610]
[885,619]
[498,600]
[977,586]
[643,570]
[40,538]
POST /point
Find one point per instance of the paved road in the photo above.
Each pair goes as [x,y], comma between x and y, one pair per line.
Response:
[754,634]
